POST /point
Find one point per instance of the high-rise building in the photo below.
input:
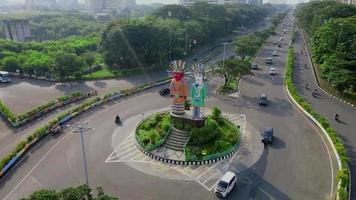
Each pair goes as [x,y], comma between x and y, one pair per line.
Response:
[277,1]
[221,2]
[103,6]
[39,4]
[189,2]
[17,30]
[67,4]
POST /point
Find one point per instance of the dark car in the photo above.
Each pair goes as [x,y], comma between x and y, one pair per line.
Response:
[164,91]
[263,100]
[267,135]
[254,66]
[279,45]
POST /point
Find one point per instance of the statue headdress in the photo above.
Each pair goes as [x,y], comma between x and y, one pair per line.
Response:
[177,66]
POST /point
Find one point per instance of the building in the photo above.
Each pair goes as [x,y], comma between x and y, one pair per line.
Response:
[221,2]
[17,30]
[104,6]
[39,4]
[277,1]
[67,4]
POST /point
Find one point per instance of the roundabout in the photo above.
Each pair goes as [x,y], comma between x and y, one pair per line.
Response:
[250,149]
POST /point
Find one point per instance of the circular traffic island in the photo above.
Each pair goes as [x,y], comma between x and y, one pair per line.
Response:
[185,140]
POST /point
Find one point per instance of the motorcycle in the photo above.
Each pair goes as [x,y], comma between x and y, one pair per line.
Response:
[117,119]
[336,117]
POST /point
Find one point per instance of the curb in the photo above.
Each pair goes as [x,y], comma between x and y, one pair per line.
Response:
[316,77]
[183,162]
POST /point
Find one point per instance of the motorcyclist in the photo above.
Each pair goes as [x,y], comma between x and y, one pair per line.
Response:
[314,93]
[336,117]
[117,119]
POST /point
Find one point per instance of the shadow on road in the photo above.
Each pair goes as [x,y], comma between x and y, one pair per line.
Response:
[252,185]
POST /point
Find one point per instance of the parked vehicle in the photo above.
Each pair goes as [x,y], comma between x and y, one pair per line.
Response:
[254,66]
[267,135]
[275,53]
[226,184]
[279,45]
[263,99]
[4,77]
[269,60]
[164,91]
[272,71]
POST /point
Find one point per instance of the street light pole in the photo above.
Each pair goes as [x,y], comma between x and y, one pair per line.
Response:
[338,40]
[186,38]
[225,43]
[80,128]
[170,39]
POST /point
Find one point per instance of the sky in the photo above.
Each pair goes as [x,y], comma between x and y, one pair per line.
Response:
[155,1]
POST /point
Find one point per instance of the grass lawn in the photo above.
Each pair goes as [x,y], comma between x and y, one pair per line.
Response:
[107,73]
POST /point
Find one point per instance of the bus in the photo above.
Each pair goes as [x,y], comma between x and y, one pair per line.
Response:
[4,77]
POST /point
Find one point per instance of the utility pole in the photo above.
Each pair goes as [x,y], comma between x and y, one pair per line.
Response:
[80,128]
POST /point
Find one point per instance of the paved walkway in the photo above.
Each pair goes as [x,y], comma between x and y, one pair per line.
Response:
[326,105]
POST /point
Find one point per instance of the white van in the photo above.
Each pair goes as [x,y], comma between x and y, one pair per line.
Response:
[4,77]
[225,184]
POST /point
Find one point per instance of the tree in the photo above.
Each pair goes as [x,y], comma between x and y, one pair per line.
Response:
[233,68]
[81,192]
[247,45]
[11,63]
[66,64]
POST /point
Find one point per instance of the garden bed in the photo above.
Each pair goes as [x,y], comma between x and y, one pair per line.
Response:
[217,138]
[152,131]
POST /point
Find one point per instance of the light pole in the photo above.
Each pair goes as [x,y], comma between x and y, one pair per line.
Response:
[186,36]
[170,38]
[338,40]
[80,128]
[225,43]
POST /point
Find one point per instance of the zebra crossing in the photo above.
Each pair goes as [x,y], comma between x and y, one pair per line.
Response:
[205,175]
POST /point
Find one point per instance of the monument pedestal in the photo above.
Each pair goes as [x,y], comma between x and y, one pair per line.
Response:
[187,118]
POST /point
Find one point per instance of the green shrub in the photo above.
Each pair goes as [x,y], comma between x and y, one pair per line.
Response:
[29,138]
[20,146]
[216,113]
[166,123]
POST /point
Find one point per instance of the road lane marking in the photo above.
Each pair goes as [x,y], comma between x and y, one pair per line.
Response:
[38,163]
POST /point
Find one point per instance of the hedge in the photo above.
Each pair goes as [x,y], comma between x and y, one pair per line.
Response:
[39,110]
[343,174]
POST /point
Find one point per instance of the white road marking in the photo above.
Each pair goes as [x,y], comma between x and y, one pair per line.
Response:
[34,167]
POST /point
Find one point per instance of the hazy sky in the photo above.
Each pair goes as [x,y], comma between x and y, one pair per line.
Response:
[156,1]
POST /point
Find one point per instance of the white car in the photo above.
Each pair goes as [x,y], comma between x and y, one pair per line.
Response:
[275,53]
[225,184]
[272,71]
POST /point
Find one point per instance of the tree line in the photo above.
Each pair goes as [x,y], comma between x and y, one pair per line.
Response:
[331,27]
[60,59]
[168,33]
[173,32]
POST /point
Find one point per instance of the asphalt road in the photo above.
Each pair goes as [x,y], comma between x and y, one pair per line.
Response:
[326,105]
[13,95]
[296,166]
